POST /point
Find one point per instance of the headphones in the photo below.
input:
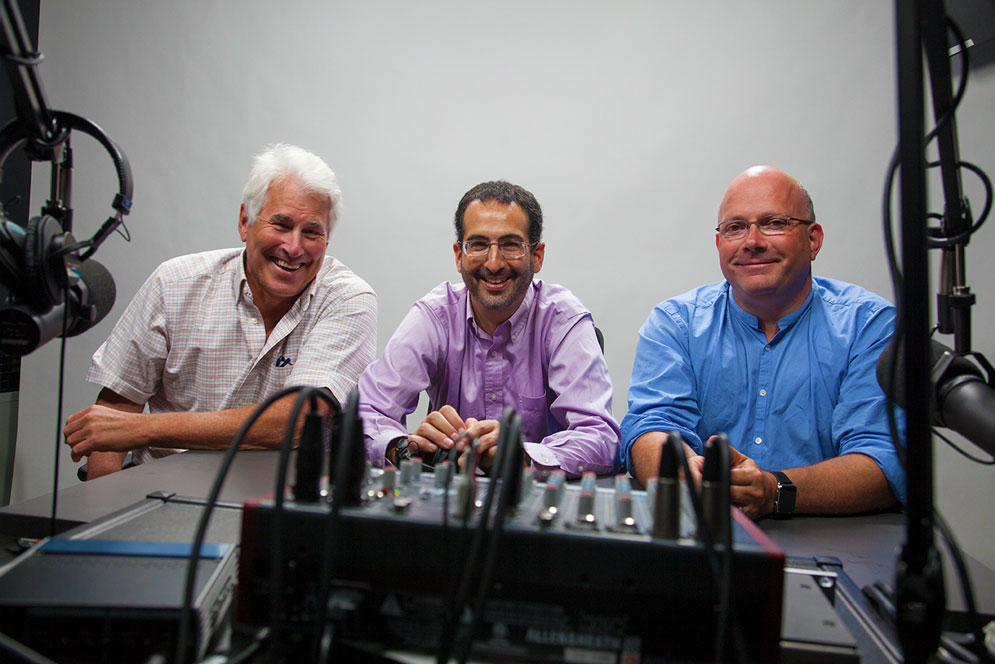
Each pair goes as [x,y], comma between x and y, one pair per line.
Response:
[40,264]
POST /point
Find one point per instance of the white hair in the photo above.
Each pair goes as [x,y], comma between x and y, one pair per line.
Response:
[282,161]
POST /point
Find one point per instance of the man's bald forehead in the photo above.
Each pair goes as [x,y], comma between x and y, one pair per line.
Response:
[768,176]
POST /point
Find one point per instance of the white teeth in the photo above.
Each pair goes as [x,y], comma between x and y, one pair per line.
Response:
[287,266]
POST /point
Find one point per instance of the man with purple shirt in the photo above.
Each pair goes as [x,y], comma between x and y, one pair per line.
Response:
[500,339]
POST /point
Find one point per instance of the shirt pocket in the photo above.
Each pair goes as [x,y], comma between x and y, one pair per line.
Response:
[535,414]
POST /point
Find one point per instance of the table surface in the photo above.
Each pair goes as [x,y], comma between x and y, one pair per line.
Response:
[867,545]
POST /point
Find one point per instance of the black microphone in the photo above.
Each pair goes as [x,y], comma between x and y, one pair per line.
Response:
[963,400]
[667,499]
[23,327]
[95,294]
[715,488]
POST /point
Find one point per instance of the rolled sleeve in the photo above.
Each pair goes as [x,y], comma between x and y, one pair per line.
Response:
[663,393]
[860,419]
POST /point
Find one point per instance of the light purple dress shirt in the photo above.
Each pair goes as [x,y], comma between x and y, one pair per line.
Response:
[544,361]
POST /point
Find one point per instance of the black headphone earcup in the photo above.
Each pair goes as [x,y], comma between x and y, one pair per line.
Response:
[11,255]
[43,285]
[10,268]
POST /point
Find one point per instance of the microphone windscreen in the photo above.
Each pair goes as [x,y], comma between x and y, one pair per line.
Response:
[893,352]
[891,383]
[100,292]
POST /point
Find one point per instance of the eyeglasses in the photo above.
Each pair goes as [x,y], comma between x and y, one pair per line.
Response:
[510,249]
[734,229]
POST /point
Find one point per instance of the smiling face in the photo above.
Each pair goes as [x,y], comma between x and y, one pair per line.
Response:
[770,275]
[285,247]
[497,284]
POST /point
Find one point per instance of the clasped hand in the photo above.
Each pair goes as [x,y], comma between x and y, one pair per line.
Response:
[749,486]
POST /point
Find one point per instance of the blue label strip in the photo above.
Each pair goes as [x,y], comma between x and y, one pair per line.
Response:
[99,547]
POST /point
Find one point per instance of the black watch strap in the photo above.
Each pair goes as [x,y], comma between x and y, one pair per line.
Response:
[784,500]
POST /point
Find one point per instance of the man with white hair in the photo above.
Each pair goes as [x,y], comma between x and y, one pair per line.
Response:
[211,335]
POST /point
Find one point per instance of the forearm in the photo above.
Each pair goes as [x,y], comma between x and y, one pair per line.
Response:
[99,464]
[847,484]
[646,451]
[215,430]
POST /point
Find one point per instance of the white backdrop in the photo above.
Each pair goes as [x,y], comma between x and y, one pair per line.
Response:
[627,119]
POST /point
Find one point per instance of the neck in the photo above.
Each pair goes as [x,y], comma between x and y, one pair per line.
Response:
[273,315]
[769,310]
[488,320]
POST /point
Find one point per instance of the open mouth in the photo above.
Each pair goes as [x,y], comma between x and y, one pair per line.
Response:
[495,283]
[289,267]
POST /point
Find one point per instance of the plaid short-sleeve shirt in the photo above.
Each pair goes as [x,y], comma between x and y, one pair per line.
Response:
[193,340]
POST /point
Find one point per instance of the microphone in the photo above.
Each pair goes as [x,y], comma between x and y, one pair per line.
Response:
[667,498]
[23,327]
[963,400]
[715,489]
[94,297]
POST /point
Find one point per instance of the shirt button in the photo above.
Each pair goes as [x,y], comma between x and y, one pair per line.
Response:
[493,397]
[767,347]
[514,336]
[763,393]
[493,353]
[758,440]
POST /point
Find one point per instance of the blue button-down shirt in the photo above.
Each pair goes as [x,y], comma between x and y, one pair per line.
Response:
[703,366]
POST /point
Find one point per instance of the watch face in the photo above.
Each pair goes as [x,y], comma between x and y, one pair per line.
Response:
[784,501]
[401,451]
[786,498]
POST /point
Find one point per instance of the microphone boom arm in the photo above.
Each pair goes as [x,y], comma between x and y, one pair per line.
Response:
[45,133]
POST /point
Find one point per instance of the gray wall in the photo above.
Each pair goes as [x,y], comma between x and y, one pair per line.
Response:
[627,119]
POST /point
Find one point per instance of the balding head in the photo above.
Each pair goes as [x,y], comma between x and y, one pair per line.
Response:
[774,185]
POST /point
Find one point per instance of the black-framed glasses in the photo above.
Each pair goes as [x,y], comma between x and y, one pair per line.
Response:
[510,249]
[779,224]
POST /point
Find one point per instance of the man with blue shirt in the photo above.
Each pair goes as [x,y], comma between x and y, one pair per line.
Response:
[781,361]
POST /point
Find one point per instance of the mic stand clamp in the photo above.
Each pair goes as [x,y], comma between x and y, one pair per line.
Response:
[919,600]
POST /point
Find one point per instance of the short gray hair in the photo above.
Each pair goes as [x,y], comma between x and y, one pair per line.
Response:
[282,161]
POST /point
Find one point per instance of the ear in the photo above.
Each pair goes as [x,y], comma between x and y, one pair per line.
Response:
[815,235]
[458,253]
[537,255]
[243,223]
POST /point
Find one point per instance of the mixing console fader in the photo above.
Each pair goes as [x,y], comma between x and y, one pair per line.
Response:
[581,571]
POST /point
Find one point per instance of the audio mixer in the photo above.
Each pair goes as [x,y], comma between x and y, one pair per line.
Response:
[581,572]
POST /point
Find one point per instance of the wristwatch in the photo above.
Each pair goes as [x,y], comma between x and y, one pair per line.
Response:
[784,500]
[401,451]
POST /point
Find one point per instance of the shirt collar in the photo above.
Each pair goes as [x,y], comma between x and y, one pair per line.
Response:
[240,285]
[241,290]
[517,320]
